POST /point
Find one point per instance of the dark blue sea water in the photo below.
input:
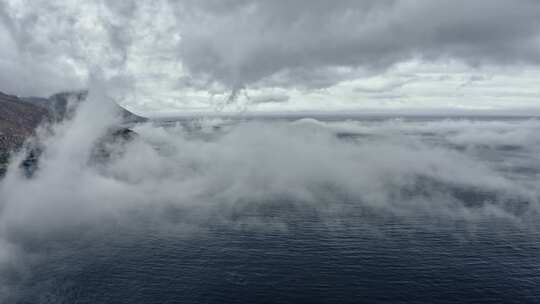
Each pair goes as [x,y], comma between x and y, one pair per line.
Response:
[361,259]
[286,250]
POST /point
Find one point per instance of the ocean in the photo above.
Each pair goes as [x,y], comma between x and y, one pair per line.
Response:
[281,210]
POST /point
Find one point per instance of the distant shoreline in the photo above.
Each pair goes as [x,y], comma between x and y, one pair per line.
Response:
[367,115]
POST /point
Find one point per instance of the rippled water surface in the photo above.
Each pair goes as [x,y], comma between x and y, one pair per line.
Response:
[365,259]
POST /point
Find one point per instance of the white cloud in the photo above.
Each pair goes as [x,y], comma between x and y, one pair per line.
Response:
[211,169]
[196,55]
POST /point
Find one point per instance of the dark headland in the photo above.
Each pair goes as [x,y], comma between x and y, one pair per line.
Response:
[20,116]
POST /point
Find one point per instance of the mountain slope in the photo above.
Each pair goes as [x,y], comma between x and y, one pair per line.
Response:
[18,120]
[62,105]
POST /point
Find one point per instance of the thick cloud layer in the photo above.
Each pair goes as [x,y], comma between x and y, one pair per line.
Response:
[192,53]
[246,41]
[231,171]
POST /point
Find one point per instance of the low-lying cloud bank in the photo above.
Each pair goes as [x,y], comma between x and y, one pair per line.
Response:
[471,170]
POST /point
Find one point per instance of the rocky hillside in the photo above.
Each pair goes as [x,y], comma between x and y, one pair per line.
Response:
[18,120]
[62,106]
[19,117]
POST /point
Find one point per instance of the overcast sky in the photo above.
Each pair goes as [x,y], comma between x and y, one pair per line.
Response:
[280,55]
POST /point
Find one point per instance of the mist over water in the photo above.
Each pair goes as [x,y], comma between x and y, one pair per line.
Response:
[190,210]
[291,198]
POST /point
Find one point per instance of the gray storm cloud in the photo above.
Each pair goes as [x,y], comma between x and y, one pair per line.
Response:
[236,43]
[247,41]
